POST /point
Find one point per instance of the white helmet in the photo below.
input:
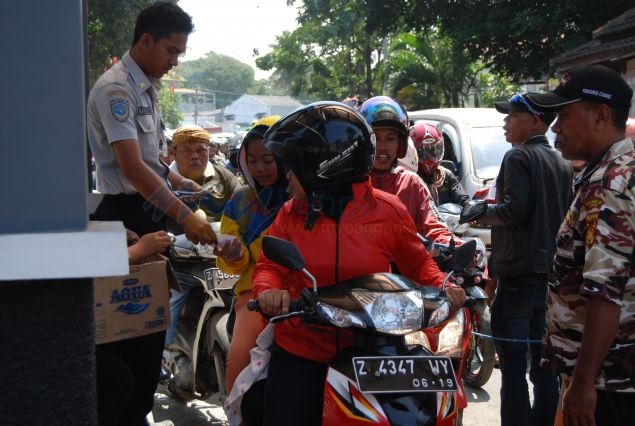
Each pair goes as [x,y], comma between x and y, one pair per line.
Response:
[410,161]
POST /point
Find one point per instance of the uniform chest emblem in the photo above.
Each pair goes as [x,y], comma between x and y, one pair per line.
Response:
[120,109]
[591,226]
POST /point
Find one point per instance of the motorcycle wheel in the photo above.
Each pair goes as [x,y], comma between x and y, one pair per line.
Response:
[483,354]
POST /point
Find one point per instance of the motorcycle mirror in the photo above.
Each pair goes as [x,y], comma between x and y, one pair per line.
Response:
[464,255]
[473,210]
[283,252]
[450,208]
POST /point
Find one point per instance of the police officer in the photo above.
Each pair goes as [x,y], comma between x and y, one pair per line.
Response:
[124,131]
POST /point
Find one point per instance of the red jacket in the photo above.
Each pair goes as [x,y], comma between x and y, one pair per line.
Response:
[415,195]
[374,230]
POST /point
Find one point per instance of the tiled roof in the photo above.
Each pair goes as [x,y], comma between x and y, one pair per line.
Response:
[622,25]
[612,41]
[596,51]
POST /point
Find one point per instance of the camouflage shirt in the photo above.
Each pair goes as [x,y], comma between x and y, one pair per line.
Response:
[594,258]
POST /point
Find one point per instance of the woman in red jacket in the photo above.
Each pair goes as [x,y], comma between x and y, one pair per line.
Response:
[344,228]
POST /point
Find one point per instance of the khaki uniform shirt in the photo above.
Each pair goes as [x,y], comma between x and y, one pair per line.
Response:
[124,105]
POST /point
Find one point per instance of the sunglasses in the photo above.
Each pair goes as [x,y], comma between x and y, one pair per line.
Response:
[518,99]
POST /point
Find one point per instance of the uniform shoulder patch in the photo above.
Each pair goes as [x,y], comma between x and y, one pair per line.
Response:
[120,109]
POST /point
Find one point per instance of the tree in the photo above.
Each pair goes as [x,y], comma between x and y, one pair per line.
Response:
[516,38]
[337,50]
[170,111]
[430,71]
[227,77]
[110,31]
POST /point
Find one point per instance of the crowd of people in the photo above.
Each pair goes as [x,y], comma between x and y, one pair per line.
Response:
[562,247]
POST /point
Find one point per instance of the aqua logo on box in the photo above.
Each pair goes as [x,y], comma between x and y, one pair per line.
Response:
[134,293]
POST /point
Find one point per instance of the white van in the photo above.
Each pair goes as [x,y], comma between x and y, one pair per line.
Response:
[474,142]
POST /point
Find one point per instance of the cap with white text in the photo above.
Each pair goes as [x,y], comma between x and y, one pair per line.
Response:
[595,83]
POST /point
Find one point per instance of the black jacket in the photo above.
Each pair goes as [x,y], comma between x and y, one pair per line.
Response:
[533,193]
[452,191]
[449,191]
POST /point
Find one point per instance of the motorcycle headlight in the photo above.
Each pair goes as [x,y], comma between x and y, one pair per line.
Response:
[451,336]
[340,317]
[395,313]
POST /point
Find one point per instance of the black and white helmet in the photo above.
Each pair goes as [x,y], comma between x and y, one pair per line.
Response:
[325,144]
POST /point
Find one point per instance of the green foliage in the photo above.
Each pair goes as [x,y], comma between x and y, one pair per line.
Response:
[224,75]
[516,38]
[411,67]
[429,70]
[110,31]
[338,49]
[365,48]
[496,89]
[442,53]
[170,111]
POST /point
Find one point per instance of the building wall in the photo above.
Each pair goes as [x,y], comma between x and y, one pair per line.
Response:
[245,108]
[282,110]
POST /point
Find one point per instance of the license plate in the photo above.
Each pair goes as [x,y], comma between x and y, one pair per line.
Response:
[218,280]
[404,374]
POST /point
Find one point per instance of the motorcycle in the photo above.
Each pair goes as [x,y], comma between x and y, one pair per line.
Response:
[197,357]
[390,375]
[450,214]
[480,355]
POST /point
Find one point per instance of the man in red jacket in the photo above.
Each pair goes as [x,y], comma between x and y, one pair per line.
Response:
[344,228]
[390,124]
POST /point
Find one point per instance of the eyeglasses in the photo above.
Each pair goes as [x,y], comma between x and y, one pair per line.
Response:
[518,99]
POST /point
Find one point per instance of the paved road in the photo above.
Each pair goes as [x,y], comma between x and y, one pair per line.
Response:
[482,410]
[483,405]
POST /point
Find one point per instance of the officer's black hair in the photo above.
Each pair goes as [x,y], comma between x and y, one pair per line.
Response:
[161,19]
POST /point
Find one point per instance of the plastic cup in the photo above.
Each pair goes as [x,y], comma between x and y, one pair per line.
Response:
[226,240]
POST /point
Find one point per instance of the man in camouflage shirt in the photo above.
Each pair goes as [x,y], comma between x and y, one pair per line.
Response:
[590,337]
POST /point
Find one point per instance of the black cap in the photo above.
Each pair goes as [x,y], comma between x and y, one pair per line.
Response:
[595,83]
[519,103]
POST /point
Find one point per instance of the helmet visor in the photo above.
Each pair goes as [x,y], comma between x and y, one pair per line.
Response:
[430,150]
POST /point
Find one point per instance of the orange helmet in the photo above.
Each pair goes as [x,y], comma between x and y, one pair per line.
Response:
[429,145]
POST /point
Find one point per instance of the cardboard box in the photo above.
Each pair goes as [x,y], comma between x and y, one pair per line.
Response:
[136,304]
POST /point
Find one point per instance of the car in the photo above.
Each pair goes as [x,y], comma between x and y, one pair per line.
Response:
[630,128]
[475,142]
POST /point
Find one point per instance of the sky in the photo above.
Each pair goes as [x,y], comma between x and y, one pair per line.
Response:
[235,27]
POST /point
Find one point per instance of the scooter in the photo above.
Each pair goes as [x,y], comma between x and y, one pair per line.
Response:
[479,357]
[197,357]
[390,375]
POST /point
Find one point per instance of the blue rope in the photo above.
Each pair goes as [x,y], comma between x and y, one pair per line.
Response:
[504,339]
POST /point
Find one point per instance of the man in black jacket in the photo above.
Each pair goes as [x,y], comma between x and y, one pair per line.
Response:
[533,192]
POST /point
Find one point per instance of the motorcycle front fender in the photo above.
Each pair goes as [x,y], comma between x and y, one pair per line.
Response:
[208,307]
[342,399]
